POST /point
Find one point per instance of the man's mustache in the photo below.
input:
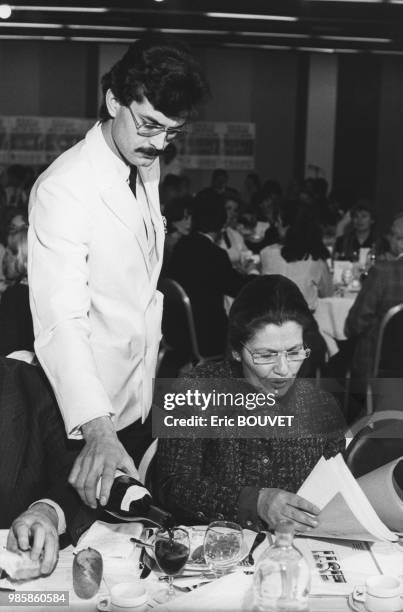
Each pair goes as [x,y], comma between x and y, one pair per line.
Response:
[151,152]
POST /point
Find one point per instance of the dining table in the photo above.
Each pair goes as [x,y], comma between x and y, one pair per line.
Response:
[331,314]
[230,593]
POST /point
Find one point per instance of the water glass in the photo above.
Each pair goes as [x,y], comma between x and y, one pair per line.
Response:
[223,546]
[347,276]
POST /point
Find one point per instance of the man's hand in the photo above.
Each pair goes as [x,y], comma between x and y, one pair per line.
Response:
[274,505]
[36,531]
[101,456]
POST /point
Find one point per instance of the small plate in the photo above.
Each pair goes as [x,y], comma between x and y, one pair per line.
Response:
[357,606]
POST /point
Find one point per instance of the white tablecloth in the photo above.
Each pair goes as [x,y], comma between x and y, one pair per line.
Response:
[331,314]
[232,593]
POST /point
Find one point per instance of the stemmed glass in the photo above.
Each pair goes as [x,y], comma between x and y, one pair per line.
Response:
[347,276]
[223,546]
[171,550]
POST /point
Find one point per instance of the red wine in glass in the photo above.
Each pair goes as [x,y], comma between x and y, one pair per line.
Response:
[171,556]
[171,552]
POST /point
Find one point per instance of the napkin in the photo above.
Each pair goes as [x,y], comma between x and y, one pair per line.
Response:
[230,593]
[112,541]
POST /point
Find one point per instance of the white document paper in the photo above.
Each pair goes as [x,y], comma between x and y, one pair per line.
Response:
[345,510]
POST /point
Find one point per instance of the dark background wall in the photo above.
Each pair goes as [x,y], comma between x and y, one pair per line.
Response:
[266,87]
[357,120]
[389,168]
[62,79]
[47,78]
[261,87]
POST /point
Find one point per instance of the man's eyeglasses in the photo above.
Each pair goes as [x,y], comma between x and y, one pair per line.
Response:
[150,129]
[271,357]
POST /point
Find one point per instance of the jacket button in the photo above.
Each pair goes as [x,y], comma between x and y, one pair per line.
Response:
[201,516]
[265,460]
[220,517]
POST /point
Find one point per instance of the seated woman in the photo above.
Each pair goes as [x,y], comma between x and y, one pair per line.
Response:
[179,222]
[263,207]
[360,235]
[302,256]
[16,327]
[249,480]
[11,221]
[231,240]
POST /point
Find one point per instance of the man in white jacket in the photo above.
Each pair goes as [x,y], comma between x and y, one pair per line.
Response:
[95,251]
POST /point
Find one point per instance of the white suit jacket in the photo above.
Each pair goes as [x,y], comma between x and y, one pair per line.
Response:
[95,307]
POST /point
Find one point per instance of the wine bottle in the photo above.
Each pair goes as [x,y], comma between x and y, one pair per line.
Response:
[130,500]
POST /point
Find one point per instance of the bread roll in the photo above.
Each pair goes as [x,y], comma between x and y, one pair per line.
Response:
[87,573]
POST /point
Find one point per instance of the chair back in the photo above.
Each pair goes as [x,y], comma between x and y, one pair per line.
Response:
[388,361]
[375,440]
[178,325]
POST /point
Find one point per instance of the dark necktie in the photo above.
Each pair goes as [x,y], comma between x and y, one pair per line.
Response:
[133,179]
[132,185]
[226,239]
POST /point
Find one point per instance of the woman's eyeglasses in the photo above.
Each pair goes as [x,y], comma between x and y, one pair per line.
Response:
[271,357]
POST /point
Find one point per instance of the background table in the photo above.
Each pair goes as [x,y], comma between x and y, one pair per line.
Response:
[331,314]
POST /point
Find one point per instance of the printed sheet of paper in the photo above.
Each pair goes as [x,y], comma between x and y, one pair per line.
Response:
[336,566]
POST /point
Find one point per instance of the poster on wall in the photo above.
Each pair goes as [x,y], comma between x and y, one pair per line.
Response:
[38,141]
[212,144]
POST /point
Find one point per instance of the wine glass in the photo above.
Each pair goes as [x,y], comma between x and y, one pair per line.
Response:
[171,548]
[223,546]
[347,276]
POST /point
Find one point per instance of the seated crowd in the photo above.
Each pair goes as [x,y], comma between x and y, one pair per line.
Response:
[254,265]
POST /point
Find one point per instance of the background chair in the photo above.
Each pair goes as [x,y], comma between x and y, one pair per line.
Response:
[389,348]
[180,348]
[374,441]
[388,362]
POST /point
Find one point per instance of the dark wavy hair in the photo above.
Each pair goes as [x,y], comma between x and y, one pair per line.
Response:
[304,234]
[269,299]
[208,213]
[175,210]
[161,70]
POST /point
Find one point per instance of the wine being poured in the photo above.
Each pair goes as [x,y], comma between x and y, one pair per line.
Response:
[172,550]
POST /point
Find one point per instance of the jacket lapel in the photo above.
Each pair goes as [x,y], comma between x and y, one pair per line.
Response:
[114,190]
[119,198]
[149,179]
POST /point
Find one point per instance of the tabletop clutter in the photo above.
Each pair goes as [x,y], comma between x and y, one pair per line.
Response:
[352,556]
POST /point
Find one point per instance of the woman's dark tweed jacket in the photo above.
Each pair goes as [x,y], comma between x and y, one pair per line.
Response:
[200,480]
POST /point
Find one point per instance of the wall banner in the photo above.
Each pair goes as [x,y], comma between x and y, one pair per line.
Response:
[206,145]
[37,141]
[209,145]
